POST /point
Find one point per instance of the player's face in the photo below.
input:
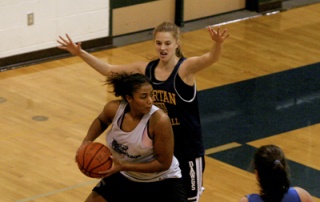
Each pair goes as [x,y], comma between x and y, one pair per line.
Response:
[142,99]
[166,45]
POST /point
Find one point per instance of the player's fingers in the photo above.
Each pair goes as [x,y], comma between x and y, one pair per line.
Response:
[60,42]
[211,31]
[70,40]
[63,39]
[218,30]
[224,32]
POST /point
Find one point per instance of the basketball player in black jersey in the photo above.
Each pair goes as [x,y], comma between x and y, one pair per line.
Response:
[173,80]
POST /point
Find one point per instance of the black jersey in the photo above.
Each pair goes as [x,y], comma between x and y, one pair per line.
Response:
[180,102]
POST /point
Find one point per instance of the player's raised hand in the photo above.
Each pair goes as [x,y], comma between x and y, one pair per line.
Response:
[69,45]
[217,35]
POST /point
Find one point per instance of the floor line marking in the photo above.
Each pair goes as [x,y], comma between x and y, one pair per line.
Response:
[56,191]
[222,148]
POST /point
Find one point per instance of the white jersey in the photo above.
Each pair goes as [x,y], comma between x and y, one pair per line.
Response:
[128,147]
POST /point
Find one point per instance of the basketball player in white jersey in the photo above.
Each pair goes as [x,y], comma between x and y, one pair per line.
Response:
[141,141]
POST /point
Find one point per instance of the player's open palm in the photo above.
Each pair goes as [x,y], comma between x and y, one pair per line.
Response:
[69,45]
[217,35]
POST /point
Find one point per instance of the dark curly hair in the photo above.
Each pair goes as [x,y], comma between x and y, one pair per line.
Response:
[126,83]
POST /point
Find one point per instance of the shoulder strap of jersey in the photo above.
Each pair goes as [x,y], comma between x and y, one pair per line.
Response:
[120,110]
[150,68]
[176,68]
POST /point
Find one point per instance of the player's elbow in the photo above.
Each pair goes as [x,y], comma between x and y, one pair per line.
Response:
[165,165]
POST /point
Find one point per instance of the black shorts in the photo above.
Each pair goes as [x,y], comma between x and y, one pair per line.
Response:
[117,188]
[192,175]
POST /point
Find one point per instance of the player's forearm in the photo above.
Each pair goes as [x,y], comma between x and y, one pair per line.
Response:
[148,167]
[97,64]
[210,57]
[215,52]
[95,130]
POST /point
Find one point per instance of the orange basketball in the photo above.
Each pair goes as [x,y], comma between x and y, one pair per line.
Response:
[93,158]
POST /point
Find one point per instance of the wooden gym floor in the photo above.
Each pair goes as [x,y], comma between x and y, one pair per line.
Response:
[47,108]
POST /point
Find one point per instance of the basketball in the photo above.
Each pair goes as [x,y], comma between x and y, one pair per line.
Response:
[93,158]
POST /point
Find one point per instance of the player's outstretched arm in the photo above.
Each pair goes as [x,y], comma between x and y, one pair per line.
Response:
[103,67]
[197,63]
[66,43]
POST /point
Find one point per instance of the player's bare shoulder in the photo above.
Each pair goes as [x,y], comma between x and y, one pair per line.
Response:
[159,117]
[160,124]
[110,109]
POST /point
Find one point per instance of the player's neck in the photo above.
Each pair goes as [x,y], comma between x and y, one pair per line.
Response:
[168,65]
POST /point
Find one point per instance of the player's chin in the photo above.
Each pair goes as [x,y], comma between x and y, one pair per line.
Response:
[147,110]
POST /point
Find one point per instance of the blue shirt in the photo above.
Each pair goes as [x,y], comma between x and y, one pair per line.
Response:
[290,196]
